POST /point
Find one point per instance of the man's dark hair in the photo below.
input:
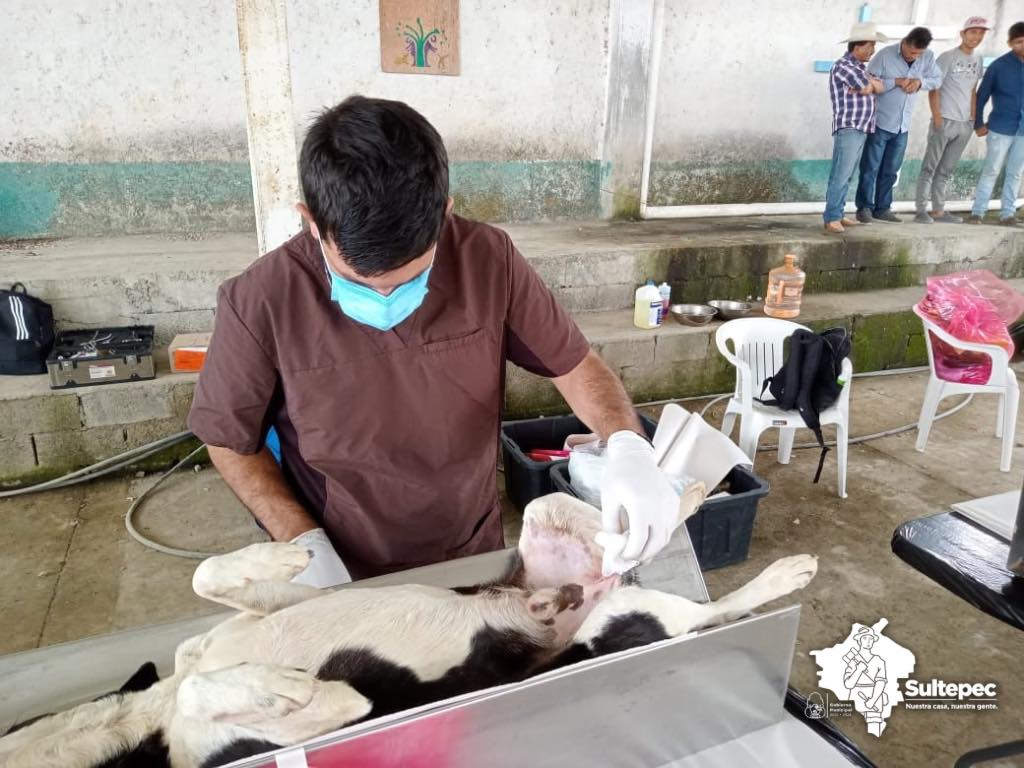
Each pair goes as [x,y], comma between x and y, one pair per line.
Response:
[375,177]
[1017,30]
[919,37]
[855,44]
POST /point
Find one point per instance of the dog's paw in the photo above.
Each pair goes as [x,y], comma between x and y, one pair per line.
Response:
[279,691]
[245,693]
[789,574]
[266,561]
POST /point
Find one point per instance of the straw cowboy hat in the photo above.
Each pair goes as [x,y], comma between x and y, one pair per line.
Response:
[865,33]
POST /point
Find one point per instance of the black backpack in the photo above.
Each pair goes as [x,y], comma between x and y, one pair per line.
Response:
[26,332]
[809,379]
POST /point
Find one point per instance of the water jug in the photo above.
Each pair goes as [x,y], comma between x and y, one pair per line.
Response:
[785,288]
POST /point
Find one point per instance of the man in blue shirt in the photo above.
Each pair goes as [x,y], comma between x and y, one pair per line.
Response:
[1004,84]
[904,69]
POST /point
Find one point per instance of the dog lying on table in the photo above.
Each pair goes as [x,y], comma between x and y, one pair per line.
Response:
[297,662]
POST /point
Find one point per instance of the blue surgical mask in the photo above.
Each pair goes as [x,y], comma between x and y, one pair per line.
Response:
[366,306]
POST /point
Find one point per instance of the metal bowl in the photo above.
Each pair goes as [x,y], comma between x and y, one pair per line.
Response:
[692,314]
[731,310]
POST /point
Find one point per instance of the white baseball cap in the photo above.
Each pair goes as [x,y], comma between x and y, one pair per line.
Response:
[865,33]
[976,22]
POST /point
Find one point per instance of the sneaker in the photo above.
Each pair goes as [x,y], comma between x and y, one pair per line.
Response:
[948,218]
[849,222]
[864,216]
[975,219]
[1009,221]
[834,228]
[887,215]
[924,218]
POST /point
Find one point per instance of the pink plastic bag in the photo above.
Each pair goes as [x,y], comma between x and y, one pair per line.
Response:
[975,307]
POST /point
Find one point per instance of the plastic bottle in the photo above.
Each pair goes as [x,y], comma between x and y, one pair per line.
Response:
[785,289]
[666,298]
[647,307]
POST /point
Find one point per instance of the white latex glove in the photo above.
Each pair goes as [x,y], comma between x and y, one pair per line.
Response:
[325,569]
[639,508]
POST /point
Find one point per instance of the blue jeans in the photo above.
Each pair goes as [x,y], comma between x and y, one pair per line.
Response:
[847,145]
[879,166]
[1000,149]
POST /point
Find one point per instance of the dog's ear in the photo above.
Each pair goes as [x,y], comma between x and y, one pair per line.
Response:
[557,544]
[144,677]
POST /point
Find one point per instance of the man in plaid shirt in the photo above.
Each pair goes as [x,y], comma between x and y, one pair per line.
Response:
[853,93]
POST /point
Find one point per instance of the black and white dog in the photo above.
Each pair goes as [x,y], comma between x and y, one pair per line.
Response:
[298,662]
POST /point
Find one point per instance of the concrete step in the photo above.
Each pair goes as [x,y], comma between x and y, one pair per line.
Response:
[591,266]
[44,433]
[680,361]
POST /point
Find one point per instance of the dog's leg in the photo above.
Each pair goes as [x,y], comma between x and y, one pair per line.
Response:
[256,579]
[632,616]
[785,575]
[257,701]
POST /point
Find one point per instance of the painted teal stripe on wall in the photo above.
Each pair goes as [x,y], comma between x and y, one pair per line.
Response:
[60,200]
[779,181]
[63,200]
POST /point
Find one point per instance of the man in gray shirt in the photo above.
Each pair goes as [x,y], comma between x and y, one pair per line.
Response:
[952,122]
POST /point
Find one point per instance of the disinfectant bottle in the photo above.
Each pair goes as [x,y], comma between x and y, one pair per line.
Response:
[666,299]
[785,288]
[647,309]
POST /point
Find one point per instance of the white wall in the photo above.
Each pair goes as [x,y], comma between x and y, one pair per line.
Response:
[532,82]
[121,80]
[130,80]
[738,81]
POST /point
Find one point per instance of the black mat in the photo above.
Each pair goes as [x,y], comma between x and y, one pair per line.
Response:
[967,560]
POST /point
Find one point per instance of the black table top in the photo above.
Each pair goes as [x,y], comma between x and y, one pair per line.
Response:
[967,560]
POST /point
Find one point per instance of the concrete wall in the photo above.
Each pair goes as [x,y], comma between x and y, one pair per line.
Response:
[128,116]
[743,117]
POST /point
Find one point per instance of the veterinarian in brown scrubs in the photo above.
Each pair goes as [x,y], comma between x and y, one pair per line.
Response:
[379,360]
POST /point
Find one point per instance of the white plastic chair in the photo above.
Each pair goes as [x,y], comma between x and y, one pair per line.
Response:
[1002,381]
[757,354]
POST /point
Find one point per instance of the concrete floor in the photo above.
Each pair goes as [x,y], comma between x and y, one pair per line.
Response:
[70,570]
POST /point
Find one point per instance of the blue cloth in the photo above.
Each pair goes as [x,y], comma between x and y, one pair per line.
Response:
[879,167]
[1000,149]
[847,146]
[1004,84]
[895,107]
[273,443]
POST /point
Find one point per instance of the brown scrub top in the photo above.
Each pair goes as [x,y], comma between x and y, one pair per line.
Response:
[388,438]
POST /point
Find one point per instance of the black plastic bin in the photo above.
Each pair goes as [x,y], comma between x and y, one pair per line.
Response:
[721,528]
[526,479]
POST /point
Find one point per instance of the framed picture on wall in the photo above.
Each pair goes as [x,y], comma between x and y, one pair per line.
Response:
[419,37]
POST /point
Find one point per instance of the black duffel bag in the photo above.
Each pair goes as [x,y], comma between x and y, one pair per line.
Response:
[26,332]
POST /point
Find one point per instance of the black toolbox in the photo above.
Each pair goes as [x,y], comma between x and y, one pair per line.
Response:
[84,358]
[721,529]
[526,479]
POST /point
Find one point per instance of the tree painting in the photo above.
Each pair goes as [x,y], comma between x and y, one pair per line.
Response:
[419,37]
[419,44]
